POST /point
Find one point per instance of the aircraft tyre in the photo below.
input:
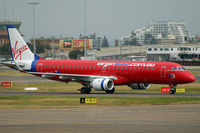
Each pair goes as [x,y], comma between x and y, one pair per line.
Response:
[110,91]
[85,90]
[172,90]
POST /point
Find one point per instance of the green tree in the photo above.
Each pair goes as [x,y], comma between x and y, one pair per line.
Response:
[74,54]
[105,42]
[133,41]
[30,46]
[126,41]
[5,49]
[39,47]
[149,39]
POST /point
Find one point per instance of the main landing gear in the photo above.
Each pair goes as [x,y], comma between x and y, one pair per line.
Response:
[85,90]
[172,89]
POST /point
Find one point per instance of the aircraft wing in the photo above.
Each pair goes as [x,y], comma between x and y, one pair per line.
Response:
[79,77]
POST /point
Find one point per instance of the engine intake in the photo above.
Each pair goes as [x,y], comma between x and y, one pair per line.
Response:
[139,86]
[102,84]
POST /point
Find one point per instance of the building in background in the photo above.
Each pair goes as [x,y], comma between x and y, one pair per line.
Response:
[173,53]
[3,31]
[160,32]
[48,44]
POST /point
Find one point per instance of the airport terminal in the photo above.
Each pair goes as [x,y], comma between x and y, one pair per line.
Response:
[87,67]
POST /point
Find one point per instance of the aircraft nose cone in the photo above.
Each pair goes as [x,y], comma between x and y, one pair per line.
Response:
[191,78]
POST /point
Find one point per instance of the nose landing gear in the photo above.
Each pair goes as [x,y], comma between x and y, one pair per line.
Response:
[172,89]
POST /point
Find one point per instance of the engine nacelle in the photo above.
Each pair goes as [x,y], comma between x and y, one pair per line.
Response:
[139,86]
[103,84]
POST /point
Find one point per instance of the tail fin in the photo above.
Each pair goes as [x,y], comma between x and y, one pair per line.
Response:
[21,54]
[20,50]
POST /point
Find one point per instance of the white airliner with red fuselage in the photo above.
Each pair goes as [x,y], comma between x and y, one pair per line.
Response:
[100,75]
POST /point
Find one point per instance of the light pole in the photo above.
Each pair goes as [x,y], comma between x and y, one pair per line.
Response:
[34,3]
[53,54]
[85,52]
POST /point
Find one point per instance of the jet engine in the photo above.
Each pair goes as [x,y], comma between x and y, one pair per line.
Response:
[103,84]
[139,86]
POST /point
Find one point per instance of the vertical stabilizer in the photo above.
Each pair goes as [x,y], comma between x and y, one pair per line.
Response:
[21,54]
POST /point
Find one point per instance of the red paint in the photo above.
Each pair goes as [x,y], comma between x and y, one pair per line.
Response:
[17,52]
[6,84]
[165,89]
[126,71]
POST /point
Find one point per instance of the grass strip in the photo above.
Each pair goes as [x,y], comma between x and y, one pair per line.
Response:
[26,102]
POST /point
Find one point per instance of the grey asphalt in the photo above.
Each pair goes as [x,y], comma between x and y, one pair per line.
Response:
[131,119]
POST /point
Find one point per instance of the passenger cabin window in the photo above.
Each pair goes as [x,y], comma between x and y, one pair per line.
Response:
[178,69]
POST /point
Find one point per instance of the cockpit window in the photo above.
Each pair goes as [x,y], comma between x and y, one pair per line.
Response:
[174,68]
[178,68]
[181,68]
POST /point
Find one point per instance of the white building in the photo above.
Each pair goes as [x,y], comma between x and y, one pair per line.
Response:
[163,31]
[178,53]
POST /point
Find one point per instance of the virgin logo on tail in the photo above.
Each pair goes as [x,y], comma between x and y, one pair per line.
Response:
[17,52]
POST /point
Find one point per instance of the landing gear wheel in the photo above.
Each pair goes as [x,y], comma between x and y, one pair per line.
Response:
[172,90]
[85,90]
[110,91]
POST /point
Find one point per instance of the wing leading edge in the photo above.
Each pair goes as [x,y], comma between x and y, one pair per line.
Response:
[87,78]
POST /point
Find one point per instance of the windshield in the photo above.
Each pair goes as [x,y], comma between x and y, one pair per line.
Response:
[178,69]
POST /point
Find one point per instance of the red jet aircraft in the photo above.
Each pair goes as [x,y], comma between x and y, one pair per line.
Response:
[100,75]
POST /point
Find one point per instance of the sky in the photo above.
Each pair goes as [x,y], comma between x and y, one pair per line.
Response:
[110,18]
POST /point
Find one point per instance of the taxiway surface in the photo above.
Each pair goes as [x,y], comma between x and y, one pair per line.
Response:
[141,119]
[98,94]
